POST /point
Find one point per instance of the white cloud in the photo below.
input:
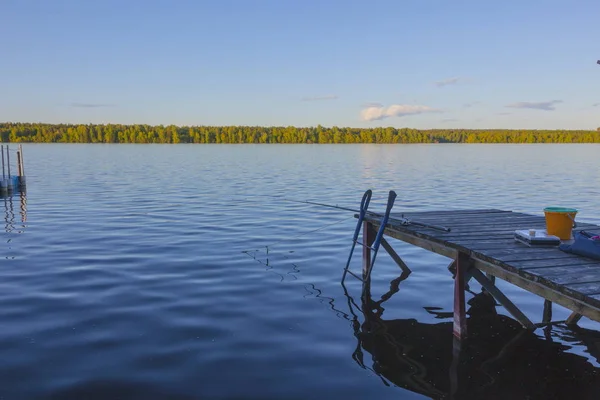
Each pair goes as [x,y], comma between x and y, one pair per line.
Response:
[378,111]
[540,105]
[446,82]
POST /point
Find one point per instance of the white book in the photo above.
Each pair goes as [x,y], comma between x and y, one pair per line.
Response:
[536,237]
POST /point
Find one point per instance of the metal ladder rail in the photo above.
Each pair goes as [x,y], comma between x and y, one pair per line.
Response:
[378,238]
[364,205]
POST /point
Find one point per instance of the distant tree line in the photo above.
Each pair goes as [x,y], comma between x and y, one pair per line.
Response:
[114,133]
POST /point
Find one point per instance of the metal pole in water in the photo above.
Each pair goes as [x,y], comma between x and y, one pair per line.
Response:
[18,183]
[8,161]
[18,163]
[22,181]
[22,162]
[3,174]
[3,182]
[10,183]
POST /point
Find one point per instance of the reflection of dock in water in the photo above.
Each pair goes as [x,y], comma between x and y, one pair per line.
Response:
[500,360]
[15,212]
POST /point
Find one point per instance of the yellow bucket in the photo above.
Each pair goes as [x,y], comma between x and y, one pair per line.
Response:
[560,221]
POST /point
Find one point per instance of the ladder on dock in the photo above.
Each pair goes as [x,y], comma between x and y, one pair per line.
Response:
[370,247]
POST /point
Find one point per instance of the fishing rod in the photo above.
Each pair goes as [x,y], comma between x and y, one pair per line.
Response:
[403,220]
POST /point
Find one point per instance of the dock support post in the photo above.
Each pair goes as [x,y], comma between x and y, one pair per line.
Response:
[547,319]
[368,240]
[573,318]
[9,181]
[456,372]
[3,173]
[18,163]
[460,316]
[3,181]
[547,316]
[21,167]
[386,245]
[8,161]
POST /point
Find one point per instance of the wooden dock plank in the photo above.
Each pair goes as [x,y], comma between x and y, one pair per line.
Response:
[487,230]
[588,288]
[453,212]
[567,274]
[474,218]
[579,302]
[490,227]
[466,216]
[559,270]
[534,264]
[488,237]
[546,252]
[508,258]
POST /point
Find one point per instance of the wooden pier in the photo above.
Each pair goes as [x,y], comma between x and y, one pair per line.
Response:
[10,183]
[482,246]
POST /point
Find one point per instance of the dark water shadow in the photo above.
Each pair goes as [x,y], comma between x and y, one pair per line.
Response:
[500,360]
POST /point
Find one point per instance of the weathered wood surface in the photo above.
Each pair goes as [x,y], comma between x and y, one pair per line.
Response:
[487,236]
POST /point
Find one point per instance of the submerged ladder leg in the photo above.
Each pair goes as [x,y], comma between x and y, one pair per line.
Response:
[368,239]
[368,265]
[547,319]
[547,316]
[364,205]
[379,237]
[371,241]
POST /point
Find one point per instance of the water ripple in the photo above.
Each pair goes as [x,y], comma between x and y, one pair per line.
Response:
[182,272]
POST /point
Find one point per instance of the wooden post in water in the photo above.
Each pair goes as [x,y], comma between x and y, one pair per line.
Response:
[18,163]
[22,162]
[21,166]
[460,317]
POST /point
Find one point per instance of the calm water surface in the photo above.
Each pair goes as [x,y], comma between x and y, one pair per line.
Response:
[175,272]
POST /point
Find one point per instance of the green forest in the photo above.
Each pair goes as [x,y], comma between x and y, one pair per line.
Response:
[115,133]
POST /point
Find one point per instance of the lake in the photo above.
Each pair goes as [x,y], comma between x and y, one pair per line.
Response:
[185,272]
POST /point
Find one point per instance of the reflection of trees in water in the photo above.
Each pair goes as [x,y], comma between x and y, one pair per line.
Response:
[499,360]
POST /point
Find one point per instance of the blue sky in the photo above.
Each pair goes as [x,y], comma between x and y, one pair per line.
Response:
[412,63]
